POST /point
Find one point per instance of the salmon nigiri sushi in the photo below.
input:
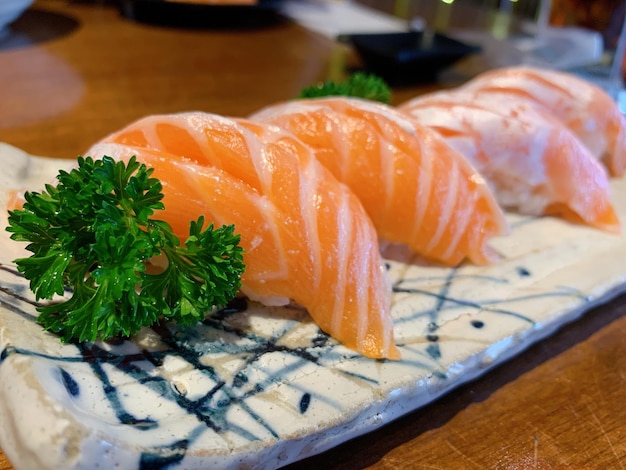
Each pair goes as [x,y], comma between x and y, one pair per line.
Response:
[533,162]
[417,189]
[306,236]
[586,109]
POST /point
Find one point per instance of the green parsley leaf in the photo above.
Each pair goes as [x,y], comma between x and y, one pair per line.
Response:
[93,234]
[360,85]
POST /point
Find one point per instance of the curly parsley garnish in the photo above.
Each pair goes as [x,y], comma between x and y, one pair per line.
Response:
[360,85]
[93,234]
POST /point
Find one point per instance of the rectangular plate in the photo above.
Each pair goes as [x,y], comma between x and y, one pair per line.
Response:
[263,387]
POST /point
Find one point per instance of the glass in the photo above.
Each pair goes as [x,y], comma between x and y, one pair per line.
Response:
[604,18]
[584,37]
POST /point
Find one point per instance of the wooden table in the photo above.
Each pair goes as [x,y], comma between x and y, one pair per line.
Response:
[74,71]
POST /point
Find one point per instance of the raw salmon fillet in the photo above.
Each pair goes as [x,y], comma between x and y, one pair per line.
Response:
[534,164]
[586,109]
[306,236]
[417,189]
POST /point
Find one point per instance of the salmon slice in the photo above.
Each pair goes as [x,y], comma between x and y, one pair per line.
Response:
[306,236]
[416,188]
[534,164]
[586,109]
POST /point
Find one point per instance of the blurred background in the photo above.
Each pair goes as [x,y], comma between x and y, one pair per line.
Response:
[585,37]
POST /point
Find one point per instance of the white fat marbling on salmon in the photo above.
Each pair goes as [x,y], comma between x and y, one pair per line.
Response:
[398,169]
[424,189]
[307,195]
[447,209]
[345,238]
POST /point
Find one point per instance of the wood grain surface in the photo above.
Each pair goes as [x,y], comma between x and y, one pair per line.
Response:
[71,72]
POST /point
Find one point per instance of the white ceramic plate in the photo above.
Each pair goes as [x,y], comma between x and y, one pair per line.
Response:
[264,387]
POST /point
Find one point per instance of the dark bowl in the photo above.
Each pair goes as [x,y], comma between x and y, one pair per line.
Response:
[410,57]
[181,13]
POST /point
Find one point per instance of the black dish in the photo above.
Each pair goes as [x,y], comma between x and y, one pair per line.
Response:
[409,57]
[191,14]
